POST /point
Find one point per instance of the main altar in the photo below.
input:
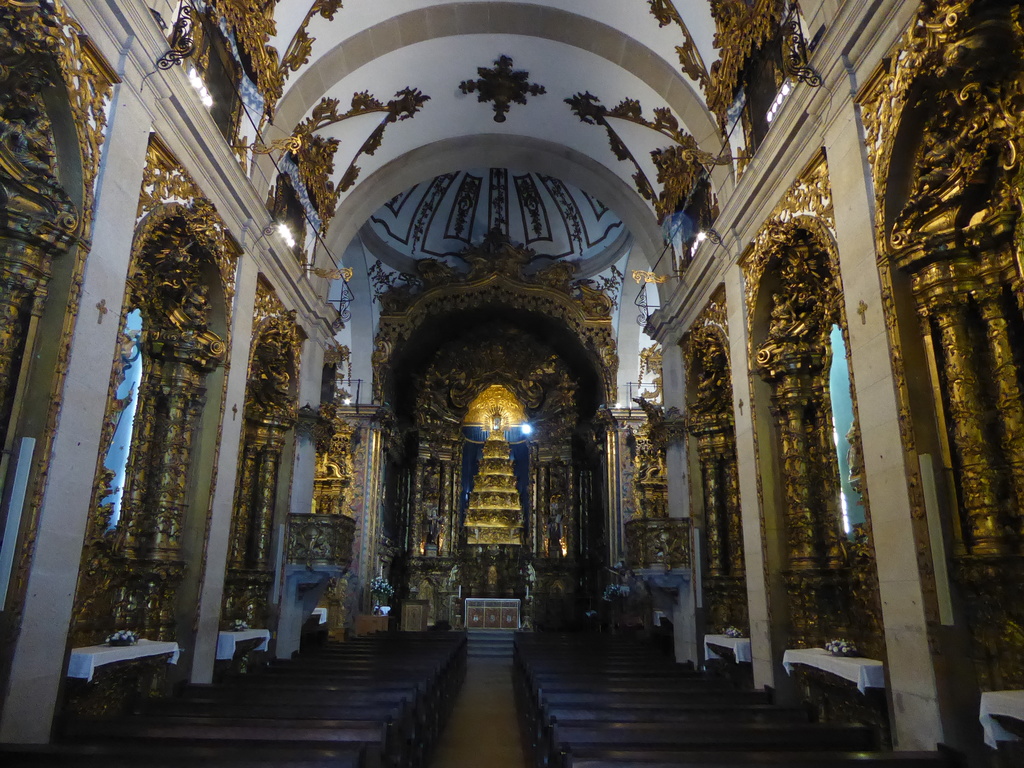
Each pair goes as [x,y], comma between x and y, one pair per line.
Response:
[498,488]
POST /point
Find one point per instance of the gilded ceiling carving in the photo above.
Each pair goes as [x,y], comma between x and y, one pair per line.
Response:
[315,154]
[297,53]
[502,86]
[679,166]
[689,57]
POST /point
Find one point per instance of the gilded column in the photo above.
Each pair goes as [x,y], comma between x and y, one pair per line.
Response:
[1006,377]
[789,406]
[183,395]
[240,525]
[948,310]
[712,508]
[266,494]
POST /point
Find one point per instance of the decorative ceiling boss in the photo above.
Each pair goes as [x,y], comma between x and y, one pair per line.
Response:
[502,86]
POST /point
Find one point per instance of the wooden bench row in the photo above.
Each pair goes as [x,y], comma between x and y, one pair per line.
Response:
[611,704]
[379,704]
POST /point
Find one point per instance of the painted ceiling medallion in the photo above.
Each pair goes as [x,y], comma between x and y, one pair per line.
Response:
[502,86]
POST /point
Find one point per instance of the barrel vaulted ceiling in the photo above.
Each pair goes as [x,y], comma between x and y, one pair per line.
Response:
[655,52]
[402,85]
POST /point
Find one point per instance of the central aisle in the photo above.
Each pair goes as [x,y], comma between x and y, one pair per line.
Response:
[483,730]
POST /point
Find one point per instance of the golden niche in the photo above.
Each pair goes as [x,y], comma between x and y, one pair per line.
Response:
[495,514]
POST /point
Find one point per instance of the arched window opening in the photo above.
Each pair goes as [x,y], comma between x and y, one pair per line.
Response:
[130,359]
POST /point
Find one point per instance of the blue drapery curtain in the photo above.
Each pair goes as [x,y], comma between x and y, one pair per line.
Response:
[472,451]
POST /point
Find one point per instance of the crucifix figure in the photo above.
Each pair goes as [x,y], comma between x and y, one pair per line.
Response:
[862,310]
[102,307]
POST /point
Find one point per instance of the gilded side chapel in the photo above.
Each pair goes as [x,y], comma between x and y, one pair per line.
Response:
[633,380]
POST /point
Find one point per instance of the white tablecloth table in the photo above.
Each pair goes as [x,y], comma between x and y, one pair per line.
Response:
[740,647]
[1006,703]
[866,673]
[321,614]
[84,661]
[226,641]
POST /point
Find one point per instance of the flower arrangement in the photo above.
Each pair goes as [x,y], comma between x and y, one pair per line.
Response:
[841,647]
[733,632]
[615,590]
[238,626]
[381,587]
[123,637]
[591,614]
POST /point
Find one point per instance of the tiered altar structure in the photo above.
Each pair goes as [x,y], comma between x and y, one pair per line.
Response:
[495,513]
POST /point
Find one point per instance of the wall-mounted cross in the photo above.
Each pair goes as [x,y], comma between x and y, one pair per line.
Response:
[862,310]
[102,307]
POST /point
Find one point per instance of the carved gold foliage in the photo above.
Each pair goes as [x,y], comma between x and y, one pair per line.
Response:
[252,24]
[315,157]
[658,543]
[497,367]
[167,186]
[679,166]
[689,57]
[742,27]
[297,53]
[955,228]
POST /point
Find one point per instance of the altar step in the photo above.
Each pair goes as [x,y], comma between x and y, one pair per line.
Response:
[491,643]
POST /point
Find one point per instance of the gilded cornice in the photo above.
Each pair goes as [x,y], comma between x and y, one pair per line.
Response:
[689,57]
[741,29]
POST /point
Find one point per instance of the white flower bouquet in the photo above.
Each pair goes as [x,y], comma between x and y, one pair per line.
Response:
[381,587]
[238,626]
[733,632]
[841,647]
[123,637]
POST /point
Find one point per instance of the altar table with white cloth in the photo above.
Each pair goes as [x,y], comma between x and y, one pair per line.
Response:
[740,646]
[1005,703]
[866,673]
[84,661]
[227,641]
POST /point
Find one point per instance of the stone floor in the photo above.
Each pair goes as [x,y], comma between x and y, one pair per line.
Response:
[483,730]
